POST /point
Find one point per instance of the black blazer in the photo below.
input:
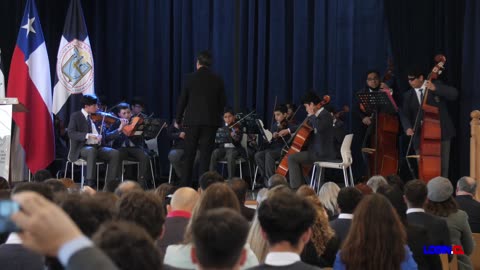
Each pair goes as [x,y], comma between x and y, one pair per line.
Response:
[17,257]
[341,228]
[118,138]
[77,131]
[418,238]
[436,227]
[472,208]
[321,141]
[202,99]
[410,105]
[174,231]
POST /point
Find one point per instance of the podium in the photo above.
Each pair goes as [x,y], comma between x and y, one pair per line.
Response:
[383,149]
[7,107]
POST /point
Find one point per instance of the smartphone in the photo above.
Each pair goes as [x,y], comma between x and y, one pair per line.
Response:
[7,208]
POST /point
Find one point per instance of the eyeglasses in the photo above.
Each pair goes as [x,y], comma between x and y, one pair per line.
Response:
[411,78]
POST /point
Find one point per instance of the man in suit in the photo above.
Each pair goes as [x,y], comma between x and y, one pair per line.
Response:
[415,195]
[86,142]
[321,141]
[199,109]
[348,199]
[179,213]
[438,94]
[466,188]
[176,155]
[132,147]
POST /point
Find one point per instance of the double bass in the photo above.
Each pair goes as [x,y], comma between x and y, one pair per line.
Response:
[297,142]
[429,157]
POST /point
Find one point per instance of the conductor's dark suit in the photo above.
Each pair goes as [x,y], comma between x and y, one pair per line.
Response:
[78,128]
[408,114]
[200,107]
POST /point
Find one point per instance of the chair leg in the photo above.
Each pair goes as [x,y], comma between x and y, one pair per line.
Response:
[153,174]
[98,175]
[255,178]
[351,176]
[82,179]
[240,167]
[170,174]
[312,178]
[319,182]
[104,180]
[123,169]
[345,176]
[71,171]
[66,168]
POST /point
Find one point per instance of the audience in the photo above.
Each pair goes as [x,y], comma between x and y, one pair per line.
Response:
[218,239]
[209,178]
[128,245]
[39,188]
[127,186]
[286,220]
[348,199]
[56,185]
[239,186]
[466,189]
[328,197]
[441,203]
[42,175]
[376,181]
[276,180]
[377,239]
[4,185]
[179,213]
[395,181]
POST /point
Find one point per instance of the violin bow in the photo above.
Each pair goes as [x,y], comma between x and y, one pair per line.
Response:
[241,119]
[273,111]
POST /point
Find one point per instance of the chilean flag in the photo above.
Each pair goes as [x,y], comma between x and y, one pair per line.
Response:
[29,81]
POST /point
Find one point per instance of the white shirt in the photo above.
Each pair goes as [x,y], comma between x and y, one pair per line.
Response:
[13,238]
[415,210]
[94,129]
[281,258]
[419,95]
[319,111]
[345,216]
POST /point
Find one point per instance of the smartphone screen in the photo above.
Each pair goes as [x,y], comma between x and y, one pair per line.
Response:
[7,208]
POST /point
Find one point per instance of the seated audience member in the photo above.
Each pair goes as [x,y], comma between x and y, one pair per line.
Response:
[208,178]
[127,186]
[218,239]
[395,181]
[143,208]
[441,203]
[42,175]
[276,180]
[163,192]
[362,186]
[56,185]
[328,197]
[218,195]
[376,229]
[348,199]
[415,195]
[323,245]
[4,185]
[376,181]
[47,230]
[39,188]
[417,236]
[128,245]
[466,188]
[179,212]
[239,186]
[286,220]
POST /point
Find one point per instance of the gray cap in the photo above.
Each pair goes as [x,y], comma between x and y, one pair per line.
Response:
[439,189]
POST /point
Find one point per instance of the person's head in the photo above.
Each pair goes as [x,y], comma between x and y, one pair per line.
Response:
[277,180]
[306,191]
[280,112]
[376,181]
[39,188]
[218,239]
[209,178]
[348,198]
[321,230]
[373,79]
[415,77]
[440,201]
[291,108]
[143,208]
[183,199]
[56,185]
[204,59]
[137,106]
[163,191]
[395,197]
[42,175]
[286,219]
[228,117]
[128,245]
[310,101]
[375,229]
[4,183]
[127,186]
[395,181]
[466,186]
[89,103]
[124,111]
[328,196]
[415,193]
[239,186]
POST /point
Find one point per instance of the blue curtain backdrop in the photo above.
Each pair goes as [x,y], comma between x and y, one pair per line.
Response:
[266,48]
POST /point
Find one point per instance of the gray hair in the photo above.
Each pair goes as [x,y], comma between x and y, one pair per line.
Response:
[376,181]
[465,185]
[328,196]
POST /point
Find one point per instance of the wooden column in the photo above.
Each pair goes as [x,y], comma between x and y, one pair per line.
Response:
[475,149]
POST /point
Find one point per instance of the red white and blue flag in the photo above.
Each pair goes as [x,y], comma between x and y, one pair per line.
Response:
[29,81]
[2,78]
[74,71]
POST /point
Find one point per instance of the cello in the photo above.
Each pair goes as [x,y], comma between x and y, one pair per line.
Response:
[297,142]
[429,156]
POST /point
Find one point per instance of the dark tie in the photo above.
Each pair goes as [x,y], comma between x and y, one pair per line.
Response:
[89,120]
[421,95]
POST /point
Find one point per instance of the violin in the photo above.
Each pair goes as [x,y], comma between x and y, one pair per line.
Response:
[130,129]
[106,118]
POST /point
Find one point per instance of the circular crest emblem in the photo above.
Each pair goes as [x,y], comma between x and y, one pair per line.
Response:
[75,66]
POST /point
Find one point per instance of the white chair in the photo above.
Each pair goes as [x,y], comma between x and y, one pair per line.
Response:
[132,162]
[343,165]
[152,146]
[83,163]
[240,160]
[256,173]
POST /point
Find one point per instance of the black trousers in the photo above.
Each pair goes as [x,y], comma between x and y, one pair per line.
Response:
[203,139]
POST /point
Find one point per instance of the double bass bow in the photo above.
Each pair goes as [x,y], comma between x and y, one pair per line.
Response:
[298,140]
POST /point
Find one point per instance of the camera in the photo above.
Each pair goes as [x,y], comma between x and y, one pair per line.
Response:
[7,208]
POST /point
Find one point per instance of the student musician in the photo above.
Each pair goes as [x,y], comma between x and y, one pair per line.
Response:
[176,155]
[230,147]
[321,140]
[130,148]
[86,142]
[281,129]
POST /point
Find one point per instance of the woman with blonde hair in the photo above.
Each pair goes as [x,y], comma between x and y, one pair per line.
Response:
[328,197]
